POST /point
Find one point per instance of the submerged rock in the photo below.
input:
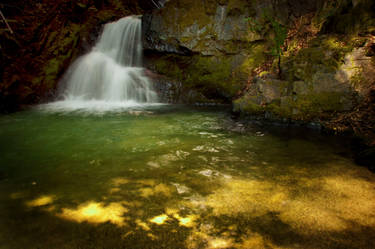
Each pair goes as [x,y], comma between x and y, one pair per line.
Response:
[181,189]
[206,172]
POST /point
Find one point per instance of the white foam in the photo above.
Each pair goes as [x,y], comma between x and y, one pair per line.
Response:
[110,77]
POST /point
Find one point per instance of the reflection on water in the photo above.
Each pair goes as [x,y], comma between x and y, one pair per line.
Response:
[176,179]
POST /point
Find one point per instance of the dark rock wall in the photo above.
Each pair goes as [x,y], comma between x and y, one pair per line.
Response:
[217,36]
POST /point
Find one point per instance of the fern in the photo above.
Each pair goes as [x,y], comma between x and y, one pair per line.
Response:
[279,31]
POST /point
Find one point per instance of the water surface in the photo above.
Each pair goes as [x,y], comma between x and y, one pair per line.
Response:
[171,177]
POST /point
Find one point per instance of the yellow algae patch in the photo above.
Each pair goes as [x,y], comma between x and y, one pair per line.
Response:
[147,182]
[142,225]
[352,198]
[95,212]
[241,196]
[156,190]
[257,198]
[187,221]
[124,236]
[152,236]
[255,241]
[316,204]
[203,235]
[171,211]
[161,219]
[114,190]
[312,216]
[220,243]
[41,201]
[340,202]
[146,192]
[119,181]
[163,189]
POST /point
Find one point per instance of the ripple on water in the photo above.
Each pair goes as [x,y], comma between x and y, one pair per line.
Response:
[179,180]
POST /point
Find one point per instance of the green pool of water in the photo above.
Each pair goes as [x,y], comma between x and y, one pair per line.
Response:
[174,177]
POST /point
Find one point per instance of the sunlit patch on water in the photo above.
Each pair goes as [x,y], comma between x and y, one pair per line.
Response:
[160,219]
[160,189]
[41,201]
[177,179]
[95,212]
[142,225]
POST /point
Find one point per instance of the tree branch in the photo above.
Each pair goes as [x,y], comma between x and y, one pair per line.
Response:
[10,29]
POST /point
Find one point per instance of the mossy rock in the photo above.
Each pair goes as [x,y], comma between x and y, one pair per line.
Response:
[255,58]
[325,54]
[312,106]
[213,76]
[306,107]
[248,105]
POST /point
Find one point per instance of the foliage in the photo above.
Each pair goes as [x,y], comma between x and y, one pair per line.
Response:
[280,33]
[255,26]
[280,36]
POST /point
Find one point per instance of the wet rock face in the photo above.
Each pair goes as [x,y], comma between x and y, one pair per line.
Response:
[212,34]
[218,37]
[315,85]
[213,27]
[153,41]
[174,92]
[185,25]
[323,72]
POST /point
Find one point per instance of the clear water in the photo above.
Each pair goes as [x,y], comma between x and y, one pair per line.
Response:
[173,177]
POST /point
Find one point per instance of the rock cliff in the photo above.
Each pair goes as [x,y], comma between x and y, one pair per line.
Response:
[225,49]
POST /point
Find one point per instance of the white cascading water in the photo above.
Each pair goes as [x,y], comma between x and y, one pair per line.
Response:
[111,75]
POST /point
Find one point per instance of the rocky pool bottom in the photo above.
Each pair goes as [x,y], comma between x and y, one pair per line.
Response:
[174,177]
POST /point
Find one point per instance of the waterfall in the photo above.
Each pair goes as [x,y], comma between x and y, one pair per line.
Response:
[111,74]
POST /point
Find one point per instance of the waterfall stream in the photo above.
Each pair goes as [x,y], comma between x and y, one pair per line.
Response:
[111,74]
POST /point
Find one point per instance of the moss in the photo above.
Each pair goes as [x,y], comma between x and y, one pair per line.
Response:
[279,111]
[62,45]
[185,13]
[256,58]
[305,107]
[172,70]
[264,73]
[325,54]
[247,105]
[213,74]
[309,106]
